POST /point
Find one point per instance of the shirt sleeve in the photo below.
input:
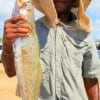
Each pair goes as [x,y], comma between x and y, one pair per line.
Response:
[91,61]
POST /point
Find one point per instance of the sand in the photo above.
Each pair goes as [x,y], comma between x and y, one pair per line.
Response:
[7,86]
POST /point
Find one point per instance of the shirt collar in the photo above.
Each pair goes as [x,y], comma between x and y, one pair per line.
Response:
[69,25]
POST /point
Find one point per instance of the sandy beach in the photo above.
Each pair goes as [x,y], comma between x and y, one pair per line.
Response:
[7,86]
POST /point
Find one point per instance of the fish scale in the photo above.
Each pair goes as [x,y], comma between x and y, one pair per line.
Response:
[27,56]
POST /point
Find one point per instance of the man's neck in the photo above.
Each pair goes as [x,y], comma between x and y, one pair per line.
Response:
[64,17]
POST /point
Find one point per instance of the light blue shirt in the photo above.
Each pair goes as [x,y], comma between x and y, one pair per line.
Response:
[67,55]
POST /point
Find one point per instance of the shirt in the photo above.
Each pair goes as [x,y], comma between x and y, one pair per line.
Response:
[67,54]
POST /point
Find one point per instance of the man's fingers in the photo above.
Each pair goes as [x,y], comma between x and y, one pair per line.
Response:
[16,19]
[10,25]
[24,25]
[17,30]
[16,35]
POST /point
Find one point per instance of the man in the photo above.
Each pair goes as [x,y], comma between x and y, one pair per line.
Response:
[67,53]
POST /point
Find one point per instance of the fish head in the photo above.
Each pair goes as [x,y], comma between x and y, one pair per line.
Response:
[22,2]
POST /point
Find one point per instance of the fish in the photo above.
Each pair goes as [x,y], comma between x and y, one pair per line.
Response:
[27,55]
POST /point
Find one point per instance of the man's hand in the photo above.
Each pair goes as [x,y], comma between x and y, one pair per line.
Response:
[14,28]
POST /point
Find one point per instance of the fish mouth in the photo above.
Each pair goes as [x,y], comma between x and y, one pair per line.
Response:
[21,2]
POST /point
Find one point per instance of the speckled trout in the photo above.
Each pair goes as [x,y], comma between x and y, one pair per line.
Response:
[27,57]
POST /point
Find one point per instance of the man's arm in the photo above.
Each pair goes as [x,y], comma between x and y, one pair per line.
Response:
[8,60]
[92,88]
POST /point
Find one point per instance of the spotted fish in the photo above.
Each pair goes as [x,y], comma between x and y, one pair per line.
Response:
[27,56]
